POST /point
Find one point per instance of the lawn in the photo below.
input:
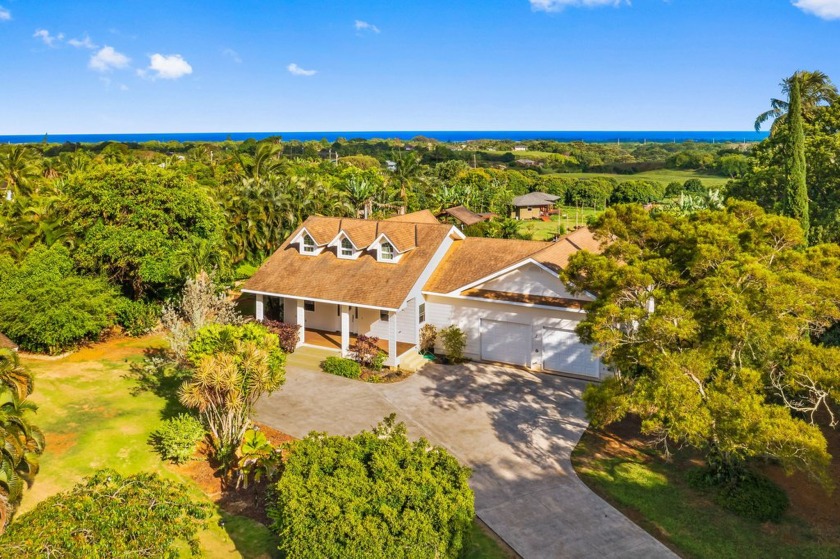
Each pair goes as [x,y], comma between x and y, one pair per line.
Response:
[92,421]
[656,494]
[661,175]
[93,418]
[566,220]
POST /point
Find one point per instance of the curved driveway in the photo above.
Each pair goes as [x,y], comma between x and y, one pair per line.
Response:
[515,429]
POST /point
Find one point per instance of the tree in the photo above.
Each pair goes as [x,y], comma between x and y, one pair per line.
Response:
[23,442]
[233,366]
[375,494]
[708,321]
[816,89]
[46,307]
[796,193]
[136,224]
[18,167]
[110,516]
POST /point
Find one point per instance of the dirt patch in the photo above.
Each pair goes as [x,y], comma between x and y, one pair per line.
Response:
[59,443]
[384,376]
[248,502]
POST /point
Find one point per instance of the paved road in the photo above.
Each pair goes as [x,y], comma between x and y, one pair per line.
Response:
[515,429]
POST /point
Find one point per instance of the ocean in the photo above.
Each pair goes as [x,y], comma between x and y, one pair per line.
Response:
[441,135]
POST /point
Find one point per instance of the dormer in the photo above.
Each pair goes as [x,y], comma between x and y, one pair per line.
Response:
[344,247]
[386,250]
[307,245]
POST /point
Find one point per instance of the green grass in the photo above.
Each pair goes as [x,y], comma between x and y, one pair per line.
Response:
[661,175]
[484,546]
[92,421]
[569,216]
[658,496]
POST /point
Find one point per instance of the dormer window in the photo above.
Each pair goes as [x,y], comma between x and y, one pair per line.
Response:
[308,245]
[386,252]
[347,250]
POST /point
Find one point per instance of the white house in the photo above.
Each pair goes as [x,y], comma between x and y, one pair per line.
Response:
[348,277]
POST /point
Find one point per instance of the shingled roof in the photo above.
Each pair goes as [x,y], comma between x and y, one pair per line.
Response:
[6,343]
[535,199]
[363,281]
[474,258]
[423,216]
[465,215]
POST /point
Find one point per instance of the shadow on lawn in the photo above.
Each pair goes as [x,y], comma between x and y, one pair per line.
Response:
[159,374]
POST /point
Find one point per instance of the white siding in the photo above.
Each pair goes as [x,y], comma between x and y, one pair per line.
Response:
[324,317]
[468,314]
[379,328]
[530,279]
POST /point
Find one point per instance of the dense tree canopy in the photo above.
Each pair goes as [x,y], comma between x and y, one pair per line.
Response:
[142,226]
[376,494]
[110,516]
[710,322]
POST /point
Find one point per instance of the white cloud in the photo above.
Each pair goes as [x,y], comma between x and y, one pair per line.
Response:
[233,55]
[559,5]
[298,71]
[365,26]
[168,66]
[5,15]
[825,9]
[107,59]
[84,42]
[49,40]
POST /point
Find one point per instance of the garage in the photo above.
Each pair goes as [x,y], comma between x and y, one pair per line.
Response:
[563,352]
[506,342]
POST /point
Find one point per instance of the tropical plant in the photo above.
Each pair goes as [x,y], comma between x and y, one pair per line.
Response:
[23,442]
[376,494]
[454,341]
[109,516]
[258,459]
[816,90]
[796,194]
[177,438]
[288,334]
[233,366]
[428,337]
[365,350]
[19,166]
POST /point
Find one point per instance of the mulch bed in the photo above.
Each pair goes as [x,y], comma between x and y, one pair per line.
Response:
[249,502]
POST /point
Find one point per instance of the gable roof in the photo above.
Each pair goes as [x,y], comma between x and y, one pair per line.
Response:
[535,199]
[475,258]
[6,343]
[423,216]
[465,215]
[363,281]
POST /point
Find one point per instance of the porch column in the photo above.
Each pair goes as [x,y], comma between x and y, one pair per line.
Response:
[345,330]
[300,320]
[259,312]
[393,358]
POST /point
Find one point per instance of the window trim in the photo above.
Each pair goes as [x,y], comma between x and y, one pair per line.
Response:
[307,248]
[392,255]
[384,317]
[307,304]
[421,313]
[350,249]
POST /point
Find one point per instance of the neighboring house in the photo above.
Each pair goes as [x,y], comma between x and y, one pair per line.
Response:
[533,205]
[389,278]
[391,165]
[465,216]
[520,148]
[6,343]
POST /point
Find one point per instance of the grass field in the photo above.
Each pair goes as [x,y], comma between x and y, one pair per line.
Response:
[661,175]
[93,418]
[658,497]
[569,216]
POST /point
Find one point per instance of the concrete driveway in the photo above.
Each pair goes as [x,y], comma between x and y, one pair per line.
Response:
[515,429]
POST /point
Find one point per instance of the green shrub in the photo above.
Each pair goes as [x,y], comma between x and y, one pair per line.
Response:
[376,494]
[108,515]
[754,497]
[137,317]
[176,440]
[454,342]
[46,307]
[244,271]
[341,367]
[428,337]
[378,361]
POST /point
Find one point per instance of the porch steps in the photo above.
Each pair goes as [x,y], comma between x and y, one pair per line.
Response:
[412,361]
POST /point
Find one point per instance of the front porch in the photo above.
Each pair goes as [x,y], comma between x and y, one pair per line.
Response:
[332,340]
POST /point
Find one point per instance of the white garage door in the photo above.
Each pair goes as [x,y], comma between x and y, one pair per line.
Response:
[563,352]
[506,342]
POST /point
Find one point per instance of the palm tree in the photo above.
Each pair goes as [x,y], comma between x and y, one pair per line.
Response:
[360,192]
[408,174]
[816,90]
[23,442]
[18,167]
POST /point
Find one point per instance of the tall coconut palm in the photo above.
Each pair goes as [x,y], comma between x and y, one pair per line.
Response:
[18,168]
[815,89]
[408,174]
[23,442]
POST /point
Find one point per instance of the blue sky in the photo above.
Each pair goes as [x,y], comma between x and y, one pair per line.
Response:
[272,65]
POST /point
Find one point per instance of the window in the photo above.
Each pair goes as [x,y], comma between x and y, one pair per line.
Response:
[422,313]
[383,316]
[386,251]
[346,247]
[308,244]
[309,306]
